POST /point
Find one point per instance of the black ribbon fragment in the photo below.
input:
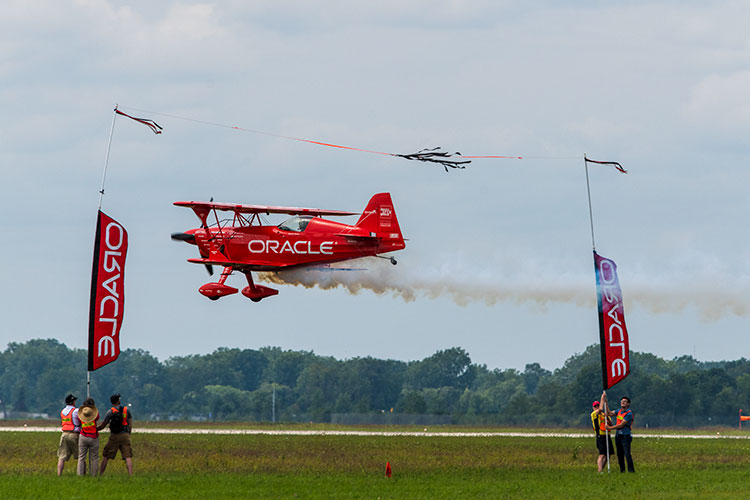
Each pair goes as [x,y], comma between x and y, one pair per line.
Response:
[435,156]
[614,163]
[155,127]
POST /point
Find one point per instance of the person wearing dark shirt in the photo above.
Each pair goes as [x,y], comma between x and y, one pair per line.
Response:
[623,435]
[120,421]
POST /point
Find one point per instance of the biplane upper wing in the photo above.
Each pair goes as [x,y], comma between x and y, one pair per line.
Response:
[205,206]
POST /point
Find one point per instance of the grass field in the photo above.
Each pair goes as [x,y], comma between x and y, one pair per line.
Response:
[263,466]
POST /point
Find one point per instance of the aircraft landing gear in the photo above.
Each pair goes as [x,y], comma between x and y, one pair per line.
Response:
[393,260]
[215,291]
[256,292]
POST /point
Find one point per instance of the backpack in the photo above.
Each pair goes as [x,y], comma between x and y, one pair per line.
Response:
[117,423]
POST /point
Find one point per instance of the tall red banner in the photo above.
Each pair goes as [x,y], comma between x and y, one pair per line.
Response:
[613,334]
[107,291]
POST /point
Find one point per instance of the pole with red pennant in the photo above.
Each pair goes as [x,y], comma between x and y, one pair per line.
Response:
[107,303]
[613,334]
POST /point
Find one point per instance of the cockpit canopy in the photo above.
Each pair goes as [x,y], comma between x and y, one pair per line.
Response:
[297,224]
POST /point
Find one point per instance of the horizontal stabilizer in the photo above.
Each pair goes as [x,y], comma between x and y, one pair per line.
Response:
[327,268]
[365,237]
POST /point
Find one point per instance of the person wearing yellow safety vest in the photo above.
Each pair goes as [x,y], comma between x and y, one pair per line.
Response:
[623,436]
[120,421]
[69,439]
[599,421]
[88,443]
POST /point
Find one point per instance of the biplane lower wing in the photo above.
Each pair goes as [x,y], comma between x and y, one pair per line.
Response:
[238,266]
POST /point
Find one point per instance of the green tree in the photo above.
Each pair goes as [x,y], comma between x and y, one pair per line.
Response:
[318,387]
[411,401]
[532,375]
[448,368]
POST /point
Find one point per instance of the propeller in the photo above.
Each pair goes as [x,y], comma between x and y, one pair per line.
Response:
[190,238]
[186,237]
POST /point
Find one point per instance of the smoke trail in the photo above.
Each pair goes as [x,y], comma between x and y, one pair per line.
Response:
[710,288]
[383,278]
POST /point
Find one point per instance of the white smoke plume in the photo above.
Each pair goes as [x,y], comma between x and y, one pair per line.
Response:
[710,288]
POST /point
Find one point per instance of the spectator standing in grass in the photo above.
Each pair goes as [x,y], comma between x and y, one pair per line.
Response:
[120,420]
[623,435]
[603,441]
[88,443]
[69,439]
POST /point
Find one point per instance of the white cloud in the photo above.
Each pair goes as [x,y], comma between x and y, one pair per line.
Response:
[721,101]
[645,83]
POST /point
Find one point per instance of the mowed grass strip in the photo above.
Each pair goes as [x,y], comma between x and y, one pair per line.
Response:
[262,466]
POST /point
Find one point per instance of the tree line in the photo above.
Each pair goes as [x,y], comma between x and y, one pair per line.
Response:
[258,385]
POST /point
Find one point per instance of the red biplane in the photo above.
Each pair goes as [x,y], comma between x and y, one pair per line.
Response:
[245,244]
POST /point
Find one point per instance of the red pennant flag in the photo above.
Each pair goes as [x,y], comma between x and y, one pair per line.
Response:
[107,291]
[155,127]
[613,334]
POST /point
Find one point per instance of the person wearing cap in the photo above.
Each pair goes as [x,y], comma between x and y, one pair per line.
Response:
[88,443]
[120,420]
[599,422]
[69,439]
[623,435]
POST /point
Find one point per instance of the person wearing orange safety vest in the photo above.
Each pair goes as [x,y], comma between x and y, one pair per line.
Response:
[88,443]
[623,436]
[599,421]
[69,439]
[120,421]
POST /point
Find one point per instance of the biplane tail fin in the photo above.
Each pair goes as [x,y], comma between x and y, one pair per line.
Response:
[379,219]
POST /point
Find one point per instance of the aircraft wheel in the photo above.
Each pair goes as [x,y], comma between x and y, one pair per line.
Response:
[255,300]
[214,298]
[393,261]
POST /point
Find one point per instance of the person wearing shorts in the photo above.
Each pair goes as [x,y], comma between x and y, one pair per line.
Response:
[599,422]
[70,431]
[120,420]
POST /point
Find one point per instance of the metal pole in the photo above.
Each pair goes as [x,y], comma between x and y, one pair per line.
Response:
[588,191]
[606,431]
[593,245]
[273,404]
[106,158]
[101,197]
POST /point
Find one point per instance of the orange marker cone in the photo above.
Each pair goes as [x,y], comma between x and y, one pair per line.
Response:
[387,469]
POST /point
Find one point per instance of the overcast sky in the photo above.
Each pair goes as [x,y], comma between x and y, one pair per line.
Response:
[499,258]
